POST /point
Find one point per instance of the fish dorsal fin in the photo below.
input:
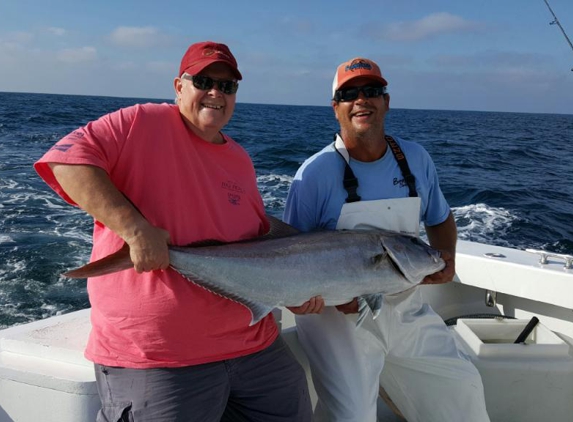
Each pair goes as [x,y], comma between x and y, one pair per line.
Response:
[207,242]
[279,229]
[117,261]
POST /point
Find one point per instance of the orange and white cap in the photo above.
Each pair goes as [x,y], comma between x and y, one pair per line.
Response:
[358,67]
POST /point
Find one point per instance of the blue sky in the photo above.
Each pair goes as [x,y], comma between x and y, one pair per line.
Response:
[491,55]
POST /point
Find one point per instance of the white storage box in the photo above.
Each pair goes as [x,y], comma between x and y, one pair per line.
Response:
[517,375]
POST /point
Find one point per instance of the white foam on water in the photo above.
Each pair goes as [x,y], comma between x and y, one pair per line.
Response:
[74,233]
[51,205]
[274,189]
[9,184]
[4,238]
[482,223]
[50,310]
[276,178]
[11,267]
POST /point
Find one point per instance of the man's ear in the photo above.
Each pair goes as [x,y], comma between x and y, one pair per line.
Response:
[177,84]
[335,108]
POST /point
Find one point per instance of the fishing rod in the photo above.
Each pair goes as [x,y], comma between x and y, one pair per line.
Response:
[556,22]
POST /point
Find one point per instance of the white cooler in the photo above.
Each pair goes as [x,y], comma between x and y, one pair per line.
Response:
[523,382]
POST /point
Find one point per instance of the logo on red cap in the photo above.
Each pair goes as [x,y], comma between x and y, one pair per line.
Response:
[210,51]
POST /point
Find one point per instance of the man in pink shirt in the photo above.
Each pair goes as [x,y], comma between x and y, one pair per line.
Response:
[157,174]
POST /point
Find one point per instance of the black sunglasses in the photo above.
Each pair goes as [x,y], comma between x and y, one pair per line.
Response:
[350,94]
[205,83]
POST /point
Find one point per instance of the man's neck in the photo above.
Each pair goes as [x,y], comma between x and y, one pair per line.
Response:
[366,148]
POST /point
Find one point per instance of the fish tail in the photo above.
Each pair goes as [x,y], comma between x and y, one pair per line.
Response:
[117,261]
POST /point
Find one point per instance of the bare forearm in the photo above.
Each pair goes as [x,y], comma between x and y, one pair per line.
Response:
[93,191]
[444,236]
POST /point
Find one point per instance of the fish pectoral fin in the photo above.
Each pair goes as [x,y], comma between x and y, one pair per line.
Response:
[371,302]
[362,311]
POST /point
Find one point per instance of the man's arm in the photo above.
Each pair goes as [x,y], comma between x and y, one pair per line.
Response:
[444,237]
[90,188]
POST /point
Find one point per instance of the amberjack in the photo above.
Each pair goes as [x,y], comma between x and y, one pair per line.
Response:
[286,267]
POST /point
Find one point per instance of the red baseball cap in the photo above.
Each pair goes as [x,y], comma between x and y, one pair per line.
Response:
[200,55]
[358,67]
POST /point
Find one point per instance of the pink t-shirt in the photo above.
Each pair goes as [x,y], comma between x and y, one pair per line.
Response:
[195,190]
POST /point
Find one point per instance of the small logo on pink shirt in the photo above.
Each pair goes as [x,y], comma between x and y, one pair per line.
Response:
[232,186]
[234,198]
[76,134]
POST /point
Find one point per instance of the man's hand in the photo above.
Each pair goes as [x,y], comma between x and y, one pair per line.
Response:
[148,249]
[444,276]
[315,305]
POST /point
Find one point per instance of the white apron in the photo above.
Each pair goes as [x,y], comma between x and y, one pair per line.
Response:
[424,373]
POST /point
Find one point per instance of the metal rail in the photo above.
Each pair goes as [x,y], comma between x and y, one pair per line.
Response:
[543,255]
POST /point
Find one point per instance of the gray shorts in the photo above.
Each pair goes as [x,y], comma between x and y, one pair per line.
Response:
[266,386]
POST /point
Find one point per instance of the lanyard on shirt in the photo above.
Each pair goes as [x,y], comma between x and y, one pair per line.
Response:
[350,182]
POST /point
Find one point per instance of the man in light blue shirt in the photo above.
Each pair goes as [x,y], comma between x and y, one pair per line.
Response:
[368,179]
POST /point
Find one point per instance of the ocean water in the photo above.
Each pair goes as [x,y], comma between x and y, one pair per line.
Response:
[507,176]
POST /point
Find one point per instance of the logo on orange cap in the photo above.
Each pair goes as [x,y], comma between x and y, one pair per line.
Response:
[358,64]
[357,67]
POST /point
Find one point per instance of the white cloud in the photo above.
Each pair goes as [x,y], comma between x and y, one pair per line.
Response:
[77,55]
[140,37]
[493,60]
[13,47]
[428,27]
[142,67]
[20,38]
[59,32]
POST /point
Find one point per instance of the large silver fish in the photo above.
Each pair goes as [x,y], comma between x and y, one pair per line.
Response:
[287,270]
